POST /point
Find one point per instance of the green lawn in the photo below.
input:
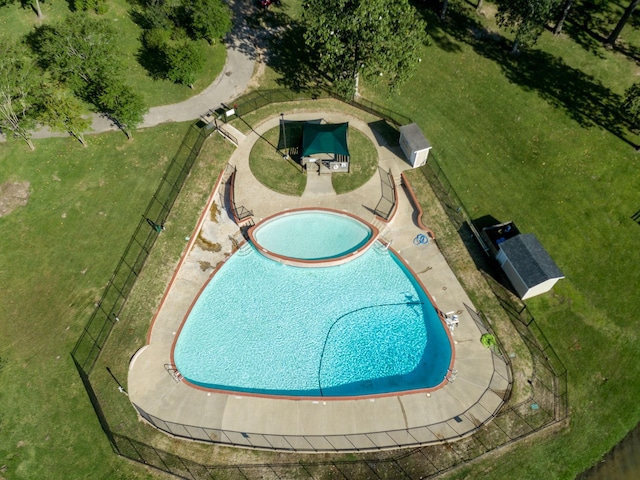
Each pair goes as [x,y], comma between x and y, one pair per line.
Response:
[526,140]
[274,171]
[57,254]
[363,163]
[285,176]
[530,139]
[15,22]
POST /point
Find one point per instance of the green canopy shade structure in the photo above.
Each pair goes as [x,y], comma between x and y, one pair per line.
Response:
[327,138]
[291,133]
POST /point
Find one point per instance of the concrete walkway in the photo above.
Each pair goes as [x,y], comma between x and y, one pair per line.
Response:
[470,397]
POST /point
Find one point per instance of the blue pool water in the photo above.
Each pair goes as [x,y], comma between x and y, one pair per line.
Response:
[312,235]
[361,328]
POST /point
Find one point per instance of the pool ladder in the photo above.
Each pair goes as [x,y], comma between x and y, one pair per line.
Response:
[173,371]
[381,248]
[245,249]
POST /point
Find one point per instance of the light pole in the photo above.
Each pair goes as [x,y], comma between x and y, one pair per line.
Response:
[284,136]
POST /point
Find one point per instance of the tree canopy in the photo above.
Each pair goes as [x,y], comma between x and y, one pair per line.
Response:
[207,19]
[125,106]
[373,38]
[173,34]
[526,18]
[78,51]
[184,61]
[81,52]
[631,105]
[63,112]
[19,84]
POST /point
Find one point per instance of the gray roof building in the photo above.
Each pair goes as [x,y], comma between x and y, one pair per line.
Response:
[528,265]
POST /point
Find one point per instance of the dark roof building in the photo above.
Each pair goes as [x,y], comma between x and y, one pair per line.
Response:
[523,259]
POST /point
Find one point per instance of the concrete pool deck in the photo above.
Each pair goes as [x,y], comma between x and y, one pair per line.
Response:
[453,411]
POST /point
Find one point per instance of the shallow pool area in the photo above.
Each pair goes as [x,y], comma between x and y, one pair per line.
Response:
[312,237]
[312,234]
[365,327]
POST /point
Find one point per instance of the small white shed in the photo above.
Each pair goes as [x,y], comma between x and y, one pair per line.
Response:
[414,144]
[528,265]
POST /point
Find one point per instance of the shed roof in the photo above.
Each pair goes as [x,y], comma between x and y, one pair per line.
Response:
[414,137]
[530,259]
[326,138]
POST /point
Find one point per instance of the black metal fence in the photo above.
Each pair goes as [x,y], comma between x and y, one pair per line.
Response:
[549,401]
[549,376]
[449,199]
[261,98]
[548,404]
[107,311]
[465,423]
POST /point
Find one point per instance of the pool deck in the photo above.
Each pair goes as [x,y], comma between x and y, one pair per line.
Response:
[470,399]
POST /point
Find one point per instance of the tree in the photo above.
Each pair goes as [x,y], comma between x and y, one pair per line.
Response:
[19,80]
[122,104]
[631,105]
[526,18]
[35,5]
[566,6]
[208,19]
[157,14]
[63,112]
[79,51]
[443,11]
[98,6]
[611,40]
[372,38]
[184,61]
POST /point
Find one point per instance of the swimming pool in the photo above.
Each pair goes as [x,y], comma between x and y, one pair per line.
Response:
[312,237]
[363,328]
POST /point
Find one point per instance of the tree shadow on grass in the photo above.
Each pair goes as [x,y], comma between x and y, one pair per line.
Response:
[292,59]
[623,46]
[630,51]
[440,31]
[586,23]
[590,22]
[581,96]
[153,62]
[585,99]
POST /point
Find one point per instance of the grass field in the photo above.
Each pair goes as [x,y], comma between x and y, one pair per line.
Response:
[287,177]
[274,171]
[57,253]
[531,139]
[15,22]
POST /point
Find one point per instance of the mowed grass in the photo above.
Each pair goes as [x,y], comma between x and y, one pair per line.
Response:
[519,147]
[285,176]
[15,22]
[274,171]
[363,163]
[57,254]
[514,146]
